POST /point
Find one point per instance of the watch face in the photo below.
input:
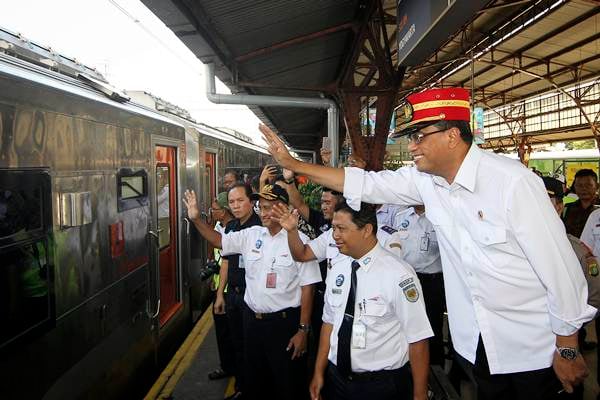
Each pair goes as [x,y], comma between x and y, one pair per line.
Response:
[569,354]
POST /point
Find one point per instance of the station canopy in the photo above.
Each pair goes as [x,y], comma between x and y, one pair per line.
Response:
[506,51]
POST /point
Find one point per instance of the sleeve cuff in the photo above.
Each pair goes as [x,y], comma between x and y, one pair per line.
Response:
[353,186]
[567,328]
[417,337]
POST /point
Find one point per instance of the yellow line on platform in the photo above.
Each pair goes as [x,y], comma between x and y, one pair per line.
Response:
[230,387]
[168,379]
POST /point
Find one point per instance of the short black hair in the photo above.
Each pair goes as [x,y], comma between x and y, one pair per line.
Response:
[586,172]
[554,188]
[366,214]
[230,171]
[247,189]
[254,182]
[463,126]
[333,192]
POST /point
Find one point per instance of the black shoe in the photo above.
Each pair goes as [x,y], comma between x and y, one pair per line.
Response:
[235,396]
[217,374]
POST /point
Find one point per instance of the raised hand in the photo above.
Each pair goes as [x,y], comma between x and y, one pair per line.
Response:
[277,148]
[287,174]
[189,199]
[326,156]
[288,220]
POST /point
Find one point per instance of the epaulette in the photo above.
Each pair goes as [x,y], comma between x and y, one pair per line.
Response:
[389,229]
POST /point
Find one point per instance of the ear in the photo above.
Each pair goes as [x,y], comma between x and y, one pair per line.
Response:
[368,230]
[454,136]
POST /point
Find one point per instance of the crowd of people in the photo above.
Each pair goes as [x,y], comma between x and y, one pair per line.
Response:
[348,301]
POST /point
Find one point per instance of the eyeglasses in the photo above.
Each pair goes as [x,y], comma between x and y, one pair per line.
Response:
[418,136]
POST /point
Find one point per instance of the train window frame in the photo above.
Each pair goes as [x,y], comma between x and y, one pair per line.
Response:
[26,179]
[128,203]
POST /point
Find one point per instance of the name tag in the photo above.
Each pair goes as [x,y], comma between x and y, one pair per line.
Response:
[425,243]
[359,335]
[271,280]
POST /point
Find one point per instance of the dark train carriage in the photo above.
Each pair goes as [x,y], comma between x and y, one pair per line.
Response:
[96,279]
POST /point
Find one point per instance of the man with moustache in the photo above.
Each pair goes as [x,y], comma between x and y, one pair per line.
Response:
[277,302]
[515,296]
[374,319]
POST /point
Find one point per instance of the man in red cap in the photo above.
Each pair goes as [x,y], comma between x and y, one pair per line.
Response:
[515,296]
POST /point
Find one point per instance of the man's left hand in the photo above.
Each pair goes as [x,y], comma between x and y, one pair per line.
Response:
[570,372]
[298,343]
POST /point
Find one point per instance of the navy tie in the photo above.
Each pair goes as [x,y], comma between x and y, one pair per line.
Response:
[345,333]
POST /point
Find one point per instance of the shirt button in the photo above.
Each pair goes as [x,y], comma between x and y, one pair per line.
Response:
[469,273]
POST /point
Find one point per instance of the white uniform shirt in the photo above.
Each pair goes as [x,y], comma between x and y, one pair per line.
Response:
[388,215]
[419,242]
[591,232]
[510,272]
[324,247]
[388,302]
[264,254]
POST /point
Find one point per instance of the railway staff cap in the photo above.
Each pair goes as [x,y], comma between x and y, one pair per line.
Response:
[272,192]
[430,106]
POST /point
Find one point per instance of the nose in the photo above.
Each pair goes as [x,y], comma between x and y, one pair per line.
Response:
[412,145]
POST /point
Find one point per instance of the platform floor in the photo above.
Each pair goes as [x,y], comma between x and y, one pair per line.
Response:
[187,377]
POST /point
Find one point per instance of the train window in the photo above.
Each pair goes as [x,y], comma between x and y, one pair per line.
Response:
[26,302]
[132,189]
[163,178]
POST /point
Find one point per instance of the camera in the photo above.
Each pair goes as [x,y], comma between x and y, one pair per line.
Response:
[208,270]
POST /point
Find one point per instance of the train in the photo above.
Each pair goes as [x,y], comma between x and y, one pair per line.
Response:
[99,270]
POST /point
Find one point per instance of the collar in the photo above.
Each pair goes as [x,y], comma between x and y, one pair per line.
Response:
[467,172]
[383,209]
[368,259]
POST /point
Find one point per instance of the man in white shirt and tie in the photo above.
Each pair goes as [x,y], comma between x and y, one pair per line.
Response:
[515,296]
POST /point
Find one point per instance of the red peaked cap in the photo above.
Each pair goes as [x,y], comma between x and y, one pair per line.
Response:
[450,104]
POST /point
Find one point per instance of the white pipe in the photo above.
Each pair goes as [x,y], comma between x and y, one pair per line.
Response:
[278,101]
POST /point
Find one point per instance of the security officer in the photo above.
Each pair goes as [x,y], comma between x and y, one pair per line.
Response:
[278,301]
[515,300]
[231,271]
[420,250]
[374,317]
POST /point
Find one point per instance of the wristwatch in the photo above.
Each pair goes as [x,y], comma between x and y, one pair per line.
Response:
[290,181]
[568,353]
[304,328]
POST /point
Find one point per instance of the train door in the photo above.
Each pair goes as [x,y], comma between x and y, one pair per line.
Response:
[210,164]
[166,222]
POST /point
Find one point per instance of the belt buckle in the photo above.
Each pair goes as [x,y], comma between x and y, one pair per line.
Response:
[258,315]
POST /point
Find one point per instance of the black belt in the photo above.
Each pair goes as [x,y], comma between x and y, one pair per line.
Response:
[371,375]
[282,314]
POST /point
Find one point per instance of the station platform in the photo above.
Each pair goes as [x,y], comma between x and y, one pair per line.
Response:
[186,375]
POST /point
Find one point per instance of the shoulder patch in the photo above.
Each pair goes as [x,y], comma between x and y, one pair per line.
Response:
[388,229]
[411,293]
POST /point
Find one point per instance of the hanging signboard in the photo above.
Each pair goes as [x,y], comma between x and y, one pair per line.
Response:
[424,25]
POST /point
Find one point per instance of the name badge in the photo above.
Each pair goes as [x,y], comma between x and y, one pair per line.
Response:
[425,243]
[271,280]
[359,335]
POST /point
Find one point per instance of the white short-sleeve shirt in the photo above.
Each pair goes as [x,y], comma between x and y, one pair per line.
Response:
[389,303]
[263,255]
[419,242]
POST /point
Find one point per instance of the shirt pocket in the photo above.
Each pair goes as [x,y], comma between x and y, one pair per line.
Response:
[487,234]
[252,261]
[374,311]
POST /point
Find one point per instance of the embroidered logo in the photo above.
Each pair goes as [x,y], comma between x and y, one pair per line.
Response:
[339,280]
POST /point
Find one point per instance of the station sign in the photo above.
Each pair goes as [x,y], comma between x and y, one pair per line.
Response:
[425,25]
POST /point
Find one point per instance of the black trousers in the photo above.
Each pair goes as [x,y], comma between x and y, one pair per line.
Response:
[234,308]
[392,385]
[270,372]
[435,305]
[224,343]
[540,384]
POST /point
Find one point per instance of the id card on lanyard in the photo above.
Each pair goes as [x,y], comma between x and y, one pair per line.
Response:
[271,282]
